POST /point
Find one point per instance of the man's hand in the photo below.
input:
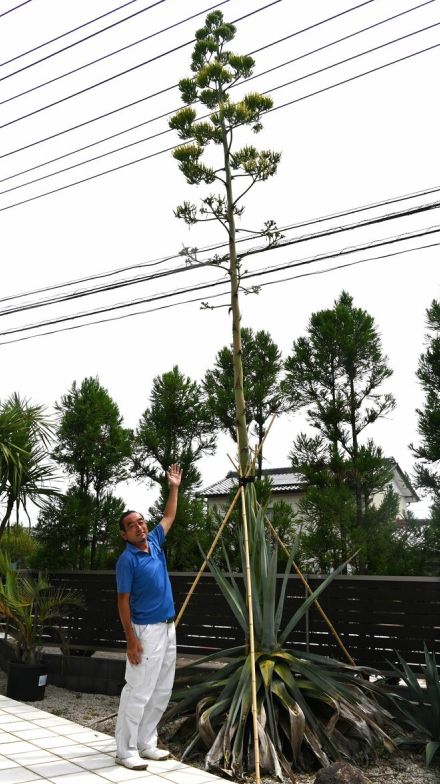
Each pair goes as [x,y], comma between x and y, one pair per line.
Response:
[174,475]
[134,651]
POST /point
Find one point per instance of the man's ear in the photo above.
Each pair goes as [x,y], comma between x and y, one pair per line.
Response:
[123,534]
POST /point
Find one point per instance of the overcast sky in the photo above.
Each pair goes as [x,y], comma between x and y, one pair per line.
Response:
[366,141]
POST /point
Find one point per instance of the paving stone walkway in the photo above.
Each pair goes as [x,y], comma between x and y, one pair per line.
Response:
[40,747]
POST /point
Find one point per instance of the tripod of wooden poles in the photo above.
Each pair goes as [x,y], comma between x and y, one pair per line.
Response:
[240,494]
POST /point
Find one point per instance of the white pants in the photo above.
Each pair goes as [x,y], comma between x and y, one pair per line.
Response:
[147,690]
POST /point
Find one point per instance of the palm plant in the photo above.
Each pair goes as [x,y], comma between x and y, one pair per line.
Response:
[26,474]
[426,721]
[311,709]
[32,606]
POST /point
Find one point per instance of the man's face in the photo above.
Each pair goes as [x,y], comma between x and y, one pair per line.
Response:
[136,529]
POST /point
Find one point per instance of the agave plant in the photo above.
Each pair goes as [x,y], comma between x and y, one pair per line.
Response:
[32,606]
[425,723]
[312,709]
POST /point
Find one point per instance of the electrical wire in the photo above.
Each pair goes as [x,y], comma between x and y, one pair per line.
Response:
[78,294]
[139,41]
[110,54]
[128,70]
[73,30]
[81,40]
[211,296]
[173,147]
[15,8]
[211,248]
[213,284]
[165,114]
[171,87]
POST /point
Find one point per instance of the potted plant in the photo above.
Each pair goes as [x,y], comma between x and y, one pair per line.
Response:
[31,606]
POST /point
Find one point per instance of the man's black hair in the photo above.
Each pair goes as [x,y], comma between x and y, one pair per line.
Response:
[122,518]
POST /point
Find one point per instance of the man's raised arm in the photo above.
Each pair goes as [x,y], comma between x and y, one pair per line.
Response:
[174,477]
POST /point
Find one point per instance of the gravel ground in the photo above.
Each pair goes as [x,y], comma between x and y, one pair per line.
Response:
[399,768]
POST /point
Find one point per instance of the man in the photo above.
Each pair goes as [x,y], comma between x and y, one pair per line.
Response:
[146,610]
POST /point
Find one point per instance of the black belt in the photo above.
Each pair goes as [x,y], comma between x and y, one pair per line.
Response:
[169,620]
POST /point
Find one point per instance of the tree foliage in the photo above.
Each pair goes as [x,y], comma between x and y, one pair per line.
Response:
[335,373]
[262,365]
[177,427]
[428,373]
[94,448]
[26,473]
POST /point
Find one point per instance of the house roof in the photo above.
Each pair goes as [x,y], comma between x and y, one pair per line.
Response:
[284,480]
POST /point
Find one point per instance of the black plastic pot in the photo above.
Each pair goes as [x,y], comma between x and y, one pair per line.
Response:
[26,682]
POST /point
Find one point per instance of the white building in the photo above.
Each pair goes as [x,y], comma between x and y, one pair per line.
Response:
[289,487]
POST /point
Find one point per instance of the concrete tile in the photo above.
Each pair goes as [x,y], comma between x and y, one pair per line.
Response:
[95,761]
[17,725]
[74,750]
[53,721]
[31,733]
[118,773]
[86,777]
[6,718]
[10,749]
[6,737]
[82,735]
[105,745]
[18,775]
[38,755]
[6,763]
[59,767]
[51,743]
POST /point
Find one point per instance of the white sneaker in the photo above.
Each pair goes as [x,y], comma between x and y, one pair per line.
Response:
[153,753]
[133,763]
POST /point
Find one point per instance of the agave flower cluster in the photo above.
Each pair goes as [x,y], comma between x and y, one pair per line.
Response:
[312,709]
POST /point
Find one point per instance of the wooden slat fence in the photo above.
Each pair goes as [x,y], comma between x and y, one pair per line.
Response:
[373,615]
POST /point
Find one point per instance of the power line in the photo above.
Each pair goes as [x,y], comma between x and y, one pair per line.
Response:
[168,149]
[211,296]
[219,282]
[112,286]
[127,70]
[217,246]
[73,30]
[15,8]
[81,40]
[171,87]
[353,78]
[104,57]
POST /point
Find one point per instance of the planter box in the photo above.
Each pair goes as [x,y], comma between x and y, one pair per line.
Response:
[77,673]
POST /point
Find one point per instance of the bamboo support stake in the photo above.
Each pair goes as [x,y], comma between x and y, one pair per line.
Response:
[316,603]
[251,638]
[205,562]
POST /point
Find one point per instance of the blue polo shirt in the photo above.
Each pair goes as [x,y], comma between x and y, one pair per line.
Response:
[145,577]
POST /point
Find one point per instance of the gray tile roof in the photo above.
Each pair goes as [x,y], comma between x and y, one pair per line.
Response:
[283,481]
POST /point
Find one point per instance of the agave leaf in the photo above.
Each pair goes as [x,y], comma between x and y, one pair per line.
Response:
[233,597]
[433,689]
[214,756]
[431,750]
[268,756]
[227,653]
[296,717]
[309,601]
[203,723]
[313,741]
[408,676]
[269,631]
[188,749]
[266,669]
[280,606]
